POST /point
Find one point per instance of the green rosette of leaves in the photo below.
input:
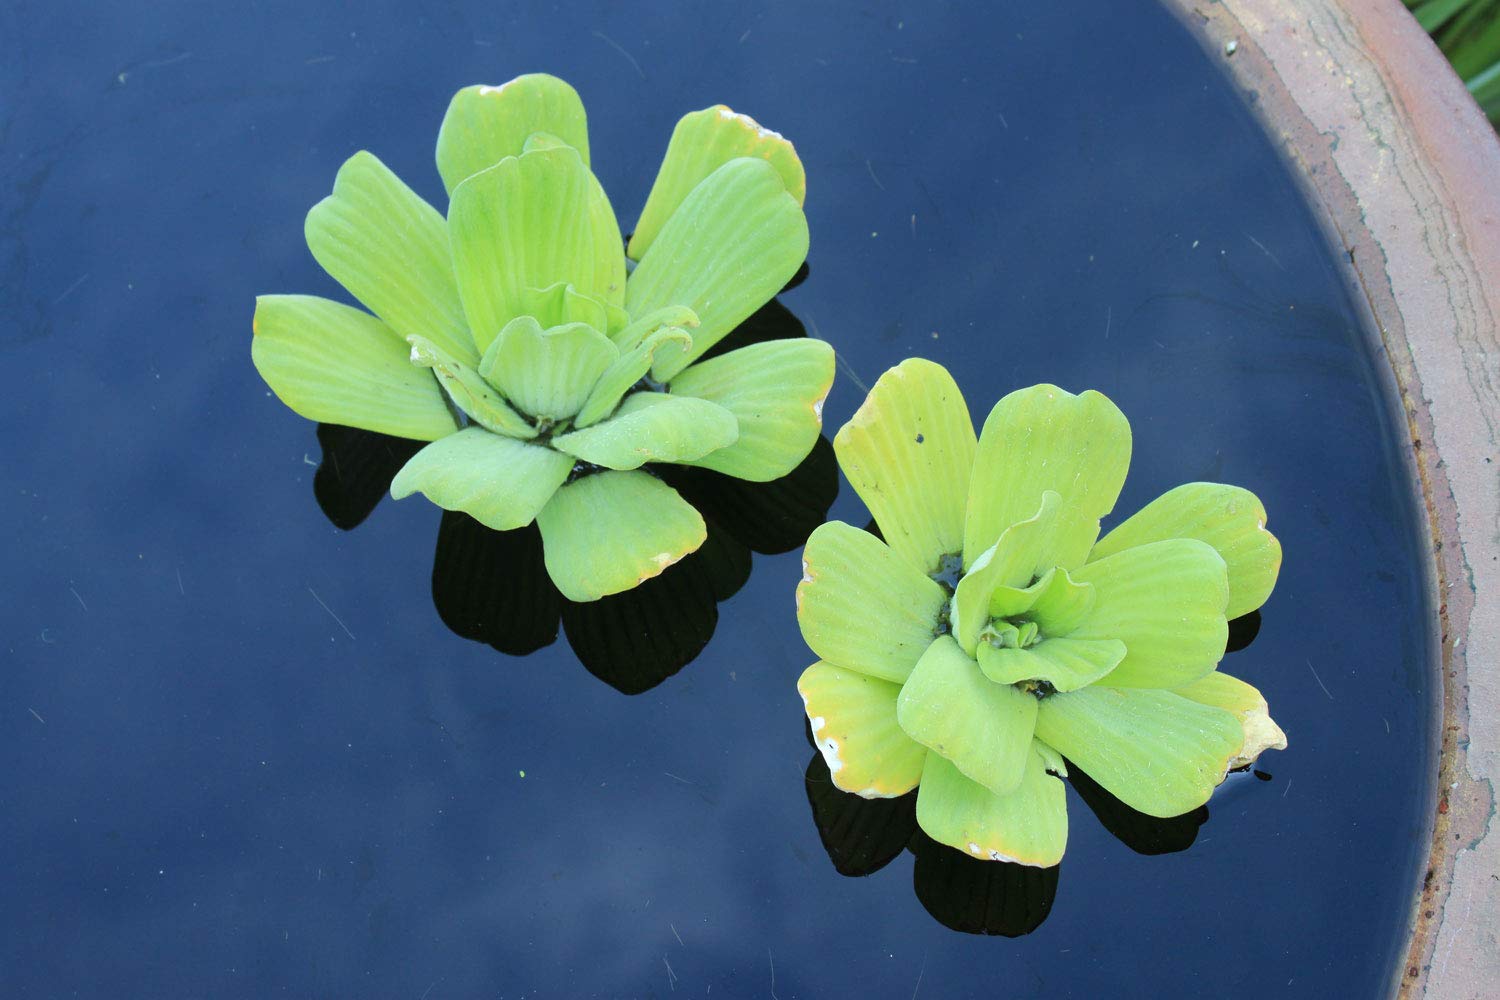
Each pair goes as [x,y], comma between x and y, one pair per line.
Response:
[544,372]
[993,633]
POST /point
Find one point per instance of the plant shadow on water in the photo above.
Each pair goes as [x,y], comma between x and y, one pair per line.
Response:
[964,893]
[492,586]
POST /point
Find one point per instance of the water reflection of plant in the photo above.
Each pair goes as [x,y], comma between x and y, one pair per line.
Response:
[492,586]
[964,893]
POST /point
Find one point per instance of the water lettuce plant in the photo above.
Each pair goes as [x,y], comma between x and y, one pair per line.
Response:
[544,371]
[989,637]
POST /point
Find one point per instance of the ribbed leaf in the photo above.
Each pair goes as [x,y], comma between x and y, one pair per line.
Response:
[620,377]
[726,251]
[634,333]
[562,303]
[604,233]
[500,482]
[1043,438]
[608,532]
[1028,826]
[333,363]
[1229,518]
[389,248]
[861,607]
[652,427]
[485,124]
[702,142]
[1155,750]
[1022,553]
[1246,704]
[853,719]
[908,452]
[776,392]
[984,728]
[1067,664]
[547,373]
[469,392]
[1061,602]
[1165,601]
[524,223]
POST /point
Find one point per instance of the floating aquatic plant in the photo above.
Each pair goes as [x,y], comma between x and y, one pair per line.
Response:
[513,337]
[992,637]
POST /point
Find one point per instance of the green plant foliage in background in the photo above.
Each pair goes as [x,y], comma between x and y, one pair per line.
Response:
[1468,32]
[989,632]
[544,371]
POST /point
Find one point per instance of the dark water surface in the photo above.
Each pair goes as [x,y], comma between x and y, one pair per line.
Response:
[242,755]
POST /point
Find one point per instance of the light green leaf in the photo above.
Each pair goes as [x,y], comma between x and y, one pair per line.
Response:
[775,390]
[1165,601]
[500,482]
[1029,826]
[484,124]
[1229,518]
[908,452]
[726,251]
[1043,438]
[525,223]
[623,375]
[1156,751]
[861,607]
[547,373]
[1052,761]
[1061,602]
[853,719]
[951,708]
[469,392]
[1066,664]
[634,333]
[562,303]
[652,427]
[389,248]
[611,531]
[702,142]
[1011,566]
[605,235]
[1247,705]
[333,363]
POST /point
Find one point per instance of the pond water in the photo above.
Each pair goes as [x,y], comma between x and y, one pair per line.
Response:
[243,752]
